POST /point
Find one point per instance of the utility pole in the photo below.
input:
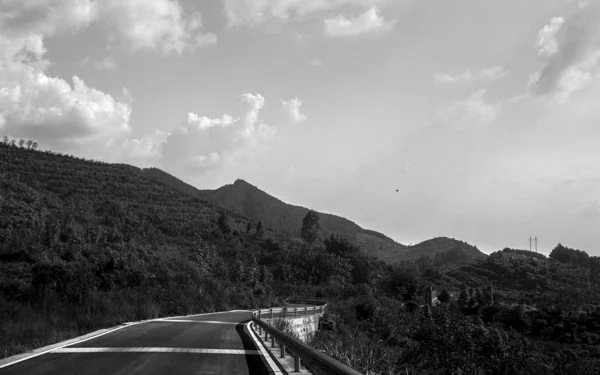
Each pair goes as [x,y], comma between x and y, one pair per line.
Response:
[536,241]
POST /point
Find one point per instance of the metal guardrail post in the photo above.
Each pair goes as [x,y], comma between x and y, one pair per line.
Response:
[271,313]
[318,361]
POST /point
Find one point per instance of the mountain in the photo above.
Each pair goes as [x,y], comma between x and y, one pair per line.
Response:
[248,200]
[86,245]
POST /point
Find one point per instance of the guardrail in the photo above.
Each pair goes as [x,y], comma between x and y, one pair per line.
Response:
[312,358]
[287,312]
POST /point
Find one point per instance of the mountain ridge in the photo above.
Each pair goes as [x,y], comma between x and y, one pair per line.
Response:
[248,200]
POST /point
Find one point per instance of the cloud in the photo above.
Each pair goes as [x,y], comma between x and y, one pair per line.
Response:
[571,48]
[203,144]
[143,152]
[50,109]
[547,44]
[144,24]
[155,24]
[472,112]
[488,74]
[73,117]
[108,63]
[256,12]
[368,22]
[44,17]
[292,110]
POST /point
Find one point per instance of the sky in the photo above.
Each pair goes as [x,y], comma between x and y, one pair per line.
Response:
[482,114]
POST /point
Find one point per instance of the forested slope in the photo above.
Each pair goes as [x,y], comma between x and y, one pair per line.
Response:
[86,244]
[248,200]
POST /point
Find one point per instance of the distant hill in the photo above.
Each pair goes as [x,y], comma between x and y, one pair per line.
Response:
[522,274]
[248,200]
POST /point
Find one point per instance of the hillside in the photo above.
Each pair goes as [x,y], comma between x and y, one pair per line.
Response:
[87,245]
[525,276]
[248,200]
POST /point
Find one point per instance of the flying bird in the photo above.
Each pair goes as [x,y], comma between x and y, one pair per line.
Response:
[396,190]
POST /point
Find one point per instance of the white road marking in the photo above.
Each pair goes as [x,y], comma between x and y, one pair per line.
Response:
[74,341]
[274,369]
[155,350]
[195,321]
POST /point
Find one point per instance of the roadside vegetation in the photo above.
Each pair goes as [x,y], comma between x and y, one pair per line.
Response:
[87,245]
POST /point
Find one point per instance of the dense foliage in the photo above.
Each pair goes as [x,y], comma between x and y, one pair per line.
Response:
[86,244]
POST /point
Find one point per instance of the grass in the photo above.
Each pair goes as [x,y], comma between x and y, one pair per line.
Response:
[358,351]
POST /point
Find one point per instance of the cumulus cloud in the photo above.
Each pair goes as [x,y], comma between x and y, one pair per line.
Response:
[53,111]
[143,152]
[472,112]
[202,143]
[255,12]
[368,22]
[292,110]
[150,24]
[487,74]
[63,114]
[547,43]
[70,115]
[571,48]
[50,109]
[155,24]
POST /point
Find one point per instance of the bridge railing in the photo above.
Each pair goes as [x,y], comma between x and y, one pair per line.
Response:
[289,312]
[315,360]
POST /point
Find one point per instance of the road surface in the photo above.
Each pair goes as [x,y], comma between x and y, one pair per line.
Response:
[219,343]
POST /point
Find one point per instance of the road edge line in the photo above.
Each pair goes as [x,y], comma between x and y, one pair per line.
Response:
[82,338]
[66,343]
[265,353]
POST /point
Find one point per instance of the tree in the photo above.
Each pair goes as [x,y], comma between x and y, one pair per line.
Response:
[12,142]
[5,140]
[28,144]
[21,143]
[310,227]
[259,227]
[340,246]
[34,145]
[463,297]
[444,296]
[248,227]
[223,223]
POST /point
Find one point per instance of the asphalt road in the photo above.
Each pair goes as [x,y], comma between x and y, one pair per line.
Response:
[205,344]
